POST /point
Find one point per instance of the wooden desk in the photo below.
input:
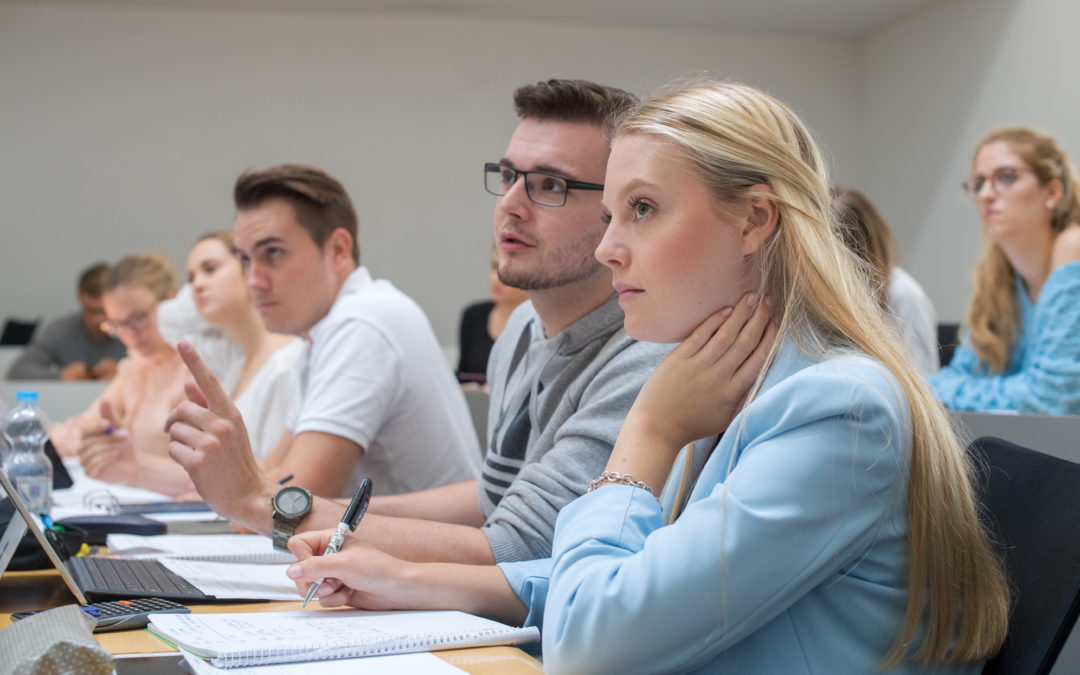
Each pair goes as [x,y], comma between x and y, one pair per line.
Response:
[43,589]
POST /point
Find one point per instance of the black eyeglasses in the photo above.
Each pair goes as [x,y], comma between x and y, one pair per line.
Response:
[543,188]
[1001,180]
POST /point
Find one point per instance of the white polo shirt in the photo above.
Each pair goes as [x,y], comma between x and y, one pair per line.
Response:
[374,373]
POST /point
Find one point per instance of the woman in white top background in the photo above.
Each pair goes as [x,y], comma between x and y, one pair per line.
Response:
[865,232]
[254,364]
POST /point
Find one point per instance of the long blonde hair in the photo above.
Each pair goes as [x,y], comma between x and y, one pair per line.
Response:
[736,137]
[993,316]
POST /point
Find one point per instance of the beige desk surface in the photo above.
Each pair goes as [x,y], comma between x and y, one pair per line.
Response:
[25,591]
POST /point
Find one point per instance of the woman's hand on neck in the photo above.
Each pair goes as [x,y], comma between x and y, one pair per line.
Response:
[696,390]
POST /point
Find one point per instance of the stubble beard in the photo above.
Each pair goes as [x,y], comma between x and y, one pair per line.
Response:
[562,269]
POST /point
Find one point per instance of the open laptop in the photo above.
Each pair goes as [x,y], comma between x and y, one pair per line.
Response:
[93,579]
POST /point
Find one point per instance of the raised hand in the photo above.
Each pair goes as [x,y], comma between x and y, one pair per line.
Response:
[209,440]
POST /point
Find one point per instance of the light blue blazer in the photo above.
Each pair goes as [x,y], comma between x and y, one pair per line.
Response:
[790,556]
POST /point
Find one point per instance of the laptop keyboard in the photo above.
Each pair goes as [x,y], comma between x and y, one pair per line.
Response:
[103,576]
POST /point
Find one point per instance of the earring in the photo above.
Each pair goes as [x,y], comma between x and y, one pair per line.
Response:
[1050,204]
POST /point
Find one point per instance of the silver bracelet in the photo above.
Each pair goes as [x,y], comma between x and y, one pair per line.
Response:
[621,479]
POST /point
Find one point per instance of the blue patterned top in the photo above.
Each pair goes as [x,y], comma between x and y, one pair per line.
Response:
[1043,374]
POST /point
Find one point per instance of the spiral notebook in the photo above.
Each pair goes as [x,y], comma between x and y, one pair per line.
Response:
[240,548]
[235,640]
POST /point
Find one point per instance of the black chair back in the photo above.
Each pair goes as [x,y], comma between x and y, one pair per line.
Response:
[948,339]
[17,332]
[1032,501]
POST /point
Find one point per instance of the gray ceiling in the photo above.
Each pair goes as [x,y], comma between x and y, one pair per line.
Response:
[811,17]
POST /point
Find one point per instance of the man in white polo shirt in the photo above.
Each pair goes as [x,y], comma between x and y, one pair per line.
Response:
[372,395]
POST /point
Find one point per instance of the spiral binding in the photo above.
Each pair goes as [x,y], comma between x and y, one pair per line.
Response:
[398,644]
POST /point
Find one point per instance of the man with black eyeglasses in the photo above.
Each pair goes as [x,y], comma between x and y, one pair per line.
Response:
[563,374]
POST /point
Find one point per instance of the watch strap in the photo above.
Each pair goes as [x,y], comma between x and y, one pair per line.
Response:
[281,535]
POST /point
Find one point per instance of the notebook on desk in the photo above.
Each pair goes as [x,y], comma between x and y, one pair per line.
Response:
[92,579]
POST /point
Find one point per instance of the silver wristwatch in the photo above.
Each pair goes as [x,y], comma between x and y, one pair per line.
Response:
[288,508]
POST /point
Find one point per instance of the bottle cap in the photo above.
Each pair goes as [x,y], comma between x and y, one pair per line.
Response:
[27,396]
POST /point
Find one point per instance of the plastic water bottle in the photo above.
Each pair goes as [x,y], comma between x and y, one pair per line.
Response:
[26,464]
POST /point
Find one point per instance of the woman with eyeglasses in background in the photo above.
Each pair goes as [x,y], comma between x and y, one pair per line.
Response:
[1021,349]
[120,437]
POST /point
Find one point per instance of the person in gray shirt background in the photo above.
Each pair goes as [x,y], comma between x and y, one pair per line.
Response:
[73,347]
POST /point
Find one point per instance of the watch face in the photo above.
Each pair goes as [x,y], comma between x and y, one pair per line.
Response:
[293,501]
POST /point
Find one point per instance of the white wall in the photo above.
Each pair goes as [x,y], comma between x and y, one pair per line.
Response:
[123,128]
[933,85]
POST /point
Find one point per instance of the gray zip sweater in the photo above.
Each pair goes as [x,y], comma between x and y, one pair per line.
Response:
[556,408]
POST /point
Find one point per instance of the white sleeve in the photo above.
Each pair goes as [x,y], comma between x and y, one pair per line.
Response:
[916,319]
[179,320]
[354,384]
[265,403]
[177,317]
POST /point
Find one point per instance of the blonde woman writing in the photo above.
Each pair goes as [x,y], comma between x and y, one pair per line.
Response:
[119,438]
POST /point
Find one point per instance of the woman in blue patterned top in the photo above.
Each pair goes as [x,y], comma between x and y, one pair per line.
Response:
[1021,350]
[821,519]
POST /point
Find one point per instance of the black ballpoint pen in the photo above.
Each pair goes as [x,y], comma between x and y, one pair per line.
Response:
[348,523]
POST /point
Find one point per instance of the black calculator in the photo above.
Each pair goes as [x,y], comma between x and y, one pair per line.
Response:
[123,614]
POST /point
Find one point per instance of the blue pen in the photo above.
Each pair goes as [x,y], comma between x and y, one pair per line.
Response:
[349,521]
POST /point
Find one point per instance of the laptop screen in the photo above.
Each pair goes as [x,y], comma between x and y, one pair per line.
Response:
[3,416]
[33,523]
[9,540]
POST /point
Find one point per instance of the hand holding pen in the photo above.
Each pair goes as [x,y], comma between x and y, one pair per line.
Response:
[105,450]
[348,523]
